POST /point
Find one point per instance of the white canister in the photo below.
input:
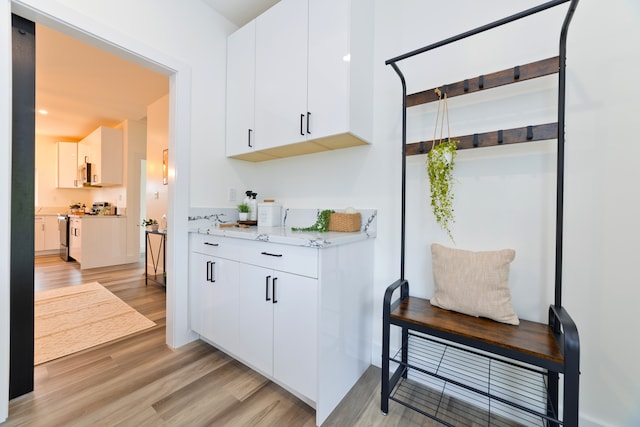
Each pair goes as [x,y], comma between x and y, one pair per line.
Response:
[269,214]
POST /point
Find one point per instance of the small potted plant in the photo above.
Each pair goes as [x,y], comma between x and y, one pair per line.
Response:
[150,223]
[243,211]
[75,207]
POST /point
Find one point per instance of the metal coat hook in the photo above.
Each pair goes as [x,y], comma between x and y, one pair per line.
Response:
[500,139]
[516,72]
[529,133]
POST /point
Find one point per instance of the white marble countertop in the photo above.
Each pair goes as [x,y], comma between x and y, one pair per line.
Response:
[285,235]
[96,216]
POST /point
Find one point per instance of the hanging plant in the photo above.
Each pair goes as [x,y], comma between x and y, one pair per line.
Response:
[440,164]
[321,225]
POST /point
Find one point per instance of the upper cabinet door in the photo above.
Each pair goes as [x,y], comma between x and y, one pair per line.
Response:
[241,69]
[281,74]
[329,60]
[341,68]
[68,165]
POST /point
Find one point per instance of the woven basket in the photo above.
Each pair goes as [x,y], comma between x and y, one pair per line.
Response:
[344,222]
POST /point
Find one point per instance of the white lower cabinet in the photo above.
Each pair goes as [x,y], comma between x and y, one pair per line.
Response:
[299,315]
[214,299]
[39,233]
[278,326]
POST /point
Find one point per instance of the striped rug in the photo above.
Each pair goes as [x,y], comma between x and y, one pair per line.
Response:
[75,318]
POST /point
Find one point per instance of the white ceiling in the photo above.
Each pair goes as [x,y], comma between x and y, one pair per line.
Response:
[83,87]
[240,12]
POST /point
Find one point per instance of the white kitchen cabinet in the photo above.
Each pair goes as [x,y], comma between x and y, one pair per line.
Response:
[302,316]
[281,74]
[75,239]
[241,51]
[103,149]
[313,79]
[51,233]
[278,328]
[47,235]
[38,229]
[295,332]
[68,165]
[340,76]
[256,317]
[213,298]
[97,241]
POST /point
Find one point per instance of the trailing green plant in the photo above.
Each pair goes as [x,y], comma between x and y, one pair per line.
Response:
[322,223]
[243,207]
[440,164]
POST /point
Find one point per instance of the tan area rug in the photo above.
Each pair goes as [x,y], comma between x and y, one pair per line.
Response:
[75,318]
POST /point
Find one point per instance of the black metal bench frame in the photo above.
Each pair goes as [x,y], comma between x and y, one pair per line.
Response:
[561,331]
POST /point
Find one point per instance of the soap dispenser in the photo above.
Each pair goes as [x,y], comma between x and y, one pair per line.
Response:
[253,208]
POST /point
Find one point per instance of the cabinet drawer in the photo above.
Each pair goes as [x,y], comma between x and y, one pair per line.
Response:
[292,259]
[218,246]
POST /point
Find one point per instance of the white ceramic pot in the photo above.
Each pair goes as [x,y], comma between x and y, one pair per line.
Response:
[242,216]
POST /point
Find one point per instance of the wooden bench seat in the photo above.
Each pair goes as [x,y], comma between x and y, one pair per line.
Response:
[531,339]
[554,347]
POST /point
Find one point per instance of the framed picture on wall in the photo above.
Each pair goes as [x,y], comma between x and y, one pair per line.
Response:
[165,167]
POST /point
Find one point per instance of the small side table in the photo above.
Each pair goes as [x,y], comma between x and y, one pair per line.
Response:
[155,258]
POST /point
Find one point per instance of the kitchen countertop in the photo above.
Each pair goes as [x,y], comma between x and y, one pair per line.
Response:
[285,235]
[96,216]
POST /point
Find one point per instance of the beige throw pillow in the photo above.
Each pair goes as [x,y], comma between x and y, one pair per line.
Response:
[473,283]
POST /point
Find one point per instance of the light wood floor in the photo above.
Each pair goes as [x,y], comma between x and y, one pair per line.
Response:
[139,381]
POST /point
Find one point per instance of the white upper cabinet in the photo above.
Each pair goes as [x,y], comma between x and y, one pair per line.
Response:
[313,79]
[103,149]
[68,165]
[281,74]
[241,74]
[340,77]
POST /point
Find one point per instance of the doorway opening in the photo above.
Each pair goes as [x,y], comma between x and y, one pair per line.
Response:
[179,126]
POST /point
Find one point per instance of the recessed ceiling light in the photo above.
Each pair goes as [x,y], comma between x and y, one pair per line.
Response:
[43,112]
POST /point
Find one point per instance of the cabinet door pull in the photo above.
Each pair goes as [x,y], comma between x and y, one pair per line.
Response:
[213,271]
[266,288]
[270,254]
[208,271]
[249,138]
[275,279]
[308,122]
[211,244]
[301,120]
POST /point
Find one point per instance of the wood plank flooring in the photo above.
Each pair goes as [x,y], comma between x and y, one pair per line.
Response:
[139,381]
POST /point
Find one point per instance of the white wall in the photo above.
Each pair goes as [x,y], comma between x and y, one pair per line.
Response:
[157,141]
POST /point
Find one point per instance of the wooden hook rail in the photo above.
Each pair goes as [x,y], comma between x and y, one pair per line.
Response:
[518,73]
[488,139]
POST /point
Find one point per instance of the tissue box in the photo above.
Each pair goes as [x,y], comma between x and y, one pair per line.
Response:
[269,214]
[344,222]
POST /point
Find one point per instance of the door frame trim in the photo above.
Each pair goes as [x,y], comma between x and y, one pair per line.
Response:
[82,27]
